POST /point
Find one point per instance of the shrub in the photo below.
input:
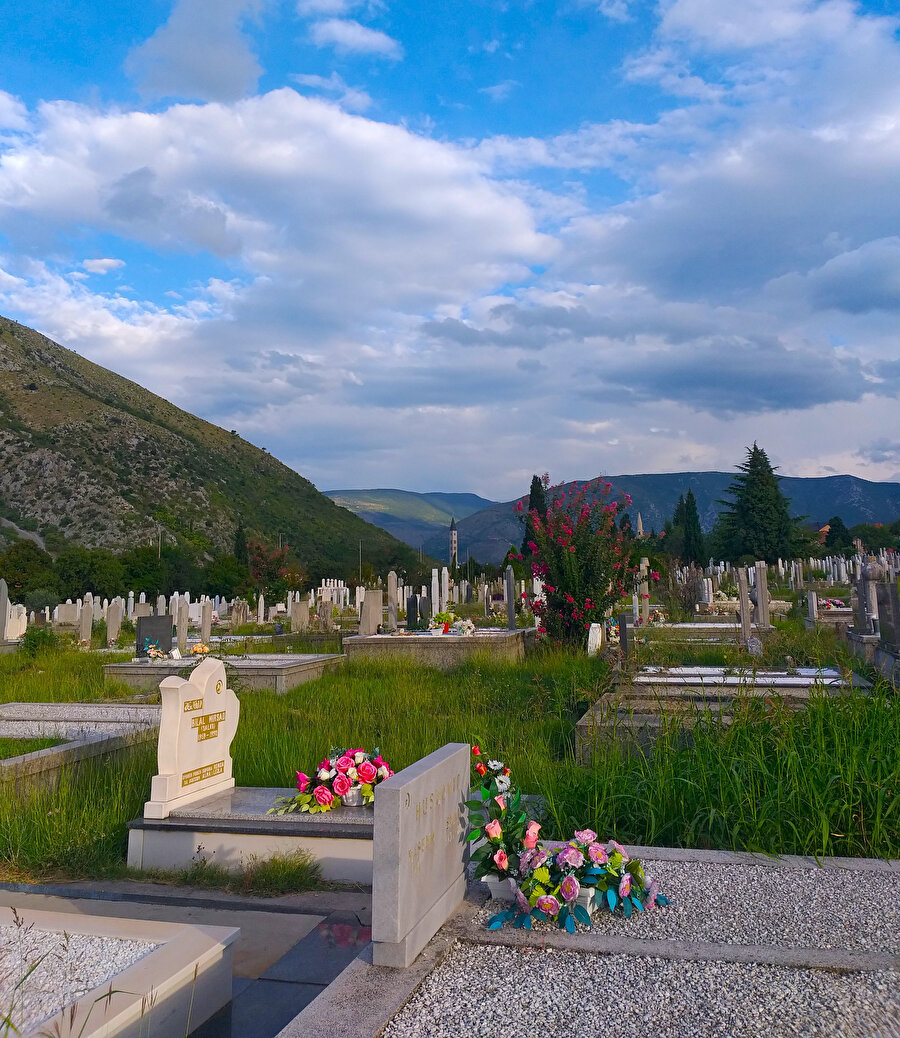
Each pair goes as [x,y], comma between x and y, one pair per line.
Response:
[38,639]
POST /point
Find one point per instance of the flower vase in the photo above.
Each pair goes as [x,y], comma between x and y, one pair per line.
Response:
[499,889]
[446,628]
[353,798]
[586,899]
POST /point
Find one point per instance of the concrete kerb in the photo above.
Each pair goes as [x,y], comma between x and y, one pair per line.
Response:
[363,999]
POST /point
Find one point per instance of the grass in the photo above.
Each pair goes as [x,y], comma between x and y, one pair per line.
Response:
[16,747]
[61,676]
[823,782]
[288,873]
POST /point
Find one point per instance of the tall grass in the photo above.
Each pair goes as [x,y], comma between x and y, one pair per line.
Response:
[58,676]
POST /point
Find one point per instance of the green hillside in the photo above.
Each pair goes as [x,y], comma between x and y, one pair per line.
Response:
[411,517]
[89,457]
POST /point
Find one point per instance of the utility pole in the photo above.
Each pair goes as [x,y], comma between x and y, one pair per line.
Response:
[360,562]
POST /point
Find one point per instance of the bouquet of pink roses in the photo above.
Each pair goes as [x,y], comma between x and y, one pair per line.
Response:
[339,774]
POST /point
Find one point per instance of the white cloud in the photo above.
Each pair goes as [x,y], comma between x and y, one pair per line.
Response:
[349,37]
[500,91]
[200,53]
[351,98]
[102,266]
[13,114]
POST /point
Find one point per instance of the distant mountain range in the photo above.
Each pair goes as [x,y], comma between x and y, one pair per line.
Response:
[88,457]
[487,529]
[410,517]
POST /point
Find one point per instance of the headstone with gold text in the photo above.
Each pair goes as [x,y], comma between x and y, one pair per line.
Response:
[198,723]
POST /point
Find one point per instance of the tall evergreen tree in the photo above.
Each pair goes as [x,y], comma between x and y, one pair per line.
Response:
[240,544]
[838,537]
[757,522]
[537,501]
[693,535]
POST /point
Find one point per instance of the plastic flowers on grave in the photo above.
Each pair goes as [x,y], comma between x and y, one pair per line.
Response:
[154,652]
[565,883]
[339,774]
[496,817]
[199,649]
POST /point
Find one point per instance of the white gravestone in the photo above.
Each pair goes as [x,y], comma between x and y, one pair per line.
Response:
[595,639]
[197,725]
[372,613]
[4,611]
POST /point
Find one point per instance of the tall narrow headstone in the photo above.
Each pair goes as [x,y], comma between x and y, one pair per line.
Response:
[595,639]
[86,620]
[181,626]
[623,633]
[206,611]
[812,605]
[299,616]
[114,614]
[424,611]
[435,591]
[4,610]
[445,589]
[744,604]
[372,613]
[326,615]
[392,601]
[509,583]
[762,596]
[261,609]
[412,613]
[645,601]
[160,605]
[130,605]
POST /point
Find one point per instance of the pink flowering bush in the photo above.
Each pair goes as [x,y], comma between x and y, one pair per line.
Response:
[339,773]
[582,558]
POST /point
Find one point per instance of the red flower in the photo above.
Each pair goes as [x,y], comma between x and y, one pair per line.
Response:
[481,769]
[476,750]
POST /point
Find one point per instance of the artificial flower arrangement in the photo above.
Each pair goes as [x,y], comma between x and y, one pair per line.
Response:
[341,772]
[154,652]
[550,881]
[834,603]
[199,649]
[450,623]
[656,619]
[612,630]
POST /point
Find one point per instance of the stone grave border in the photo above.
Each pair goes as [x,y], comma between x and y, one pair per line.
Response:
[189,973]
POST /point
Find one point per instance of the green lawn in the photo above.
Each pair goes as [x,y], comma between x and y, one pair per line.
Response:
[16,747]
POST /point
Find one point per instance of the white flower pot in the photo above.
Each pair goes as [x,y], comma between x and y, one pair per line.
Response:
[586,899]
[499,889]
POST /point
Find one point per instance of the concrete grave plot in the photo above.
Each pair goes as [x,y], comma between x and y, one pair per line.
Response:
[100,977]
[443,651]
[273,672]
[87,730]
[635,710]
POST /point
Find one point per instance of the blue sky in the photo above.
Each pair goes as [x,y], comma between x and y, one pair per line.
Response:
[446,246]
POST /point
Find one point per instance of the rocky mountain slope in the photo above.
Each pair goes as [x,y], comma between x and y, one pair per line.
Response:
[89,457]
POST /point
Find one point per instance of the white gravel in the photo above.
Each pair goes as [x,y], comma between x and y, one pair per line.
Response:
[493,992]
[71,966]
[757,904]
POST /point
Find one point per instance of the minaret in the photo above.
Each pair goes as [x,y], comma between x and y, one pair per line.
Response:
[454,542]
[640,527]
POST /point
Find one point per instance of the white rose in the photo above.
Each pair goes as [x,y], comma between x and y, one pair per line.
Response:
[383,772]
[359,758]
[352,774]
[323,775]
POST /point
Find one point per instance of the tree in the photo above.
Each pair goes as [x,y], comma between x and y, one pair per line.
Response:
[756,524]
[838,537]
[82,569]
[267,566]
[537,502]
[224,575]
[240,544]
[25,567]
[582,560]
[693,535]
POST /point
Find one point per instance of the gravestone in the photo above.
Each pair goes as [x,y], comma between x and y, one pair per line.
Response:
[435,591]
[623,633]
[181,625]
[762,616]
[299,616]
[206,611]
[86,621]
[114,613]
[372,615]
[67,613]
[509,585]
[412,613]
[469,594]
[744,604]
[4,610]
[645,601]
[153,631]
[142,609]
[445,588]
[198,722]
[812,605]
[595,639]
[889,615]
[392,601]
[419,853]
[326,615]
[261,609]
[424,611]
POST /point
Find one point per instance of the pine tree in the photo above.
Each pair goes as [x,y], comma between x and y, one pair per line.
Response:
[693,535]
[838,536]
[537,501]
[757,523]
[240,544]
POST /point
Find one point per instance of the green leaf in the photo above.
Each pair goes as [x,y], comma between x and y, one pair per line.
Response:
[475,805]
[582,915]
[611,900]
[536,913]
[660,900]
[519,921]
[473,835]
[626,905]
[496,921]
[636,901]
[527,922]
[570,924]
[476,819]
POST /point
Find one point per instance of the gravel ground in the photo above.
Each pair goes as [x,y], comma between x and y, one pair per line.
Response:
[71,966]
[757,904]
[485,992]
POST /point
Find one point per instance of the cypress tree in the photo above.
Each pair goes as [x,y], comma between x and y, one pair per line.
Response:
[537,501]
[240,544]
[757,522]
[693,535]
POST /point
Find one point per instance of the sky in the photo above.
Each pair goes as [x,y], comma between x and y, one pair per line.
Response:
[444,246]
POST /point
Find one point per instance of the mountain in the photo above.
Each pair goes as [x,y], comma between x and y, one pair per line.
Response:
[411,517]
[89,457]
[486,535]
